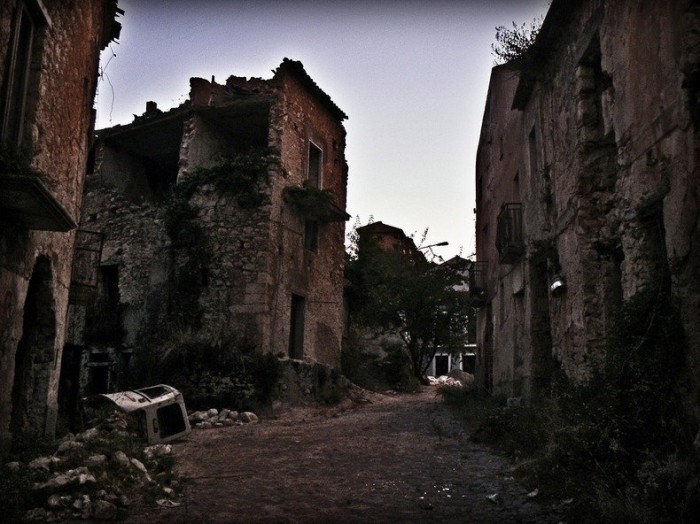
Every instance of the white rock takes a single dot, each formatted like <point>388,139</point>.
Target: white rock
<point>13,466</point>
<point>139,465</point>
<point>54,502</point>
<point>249,417</point>
<point>40,463</point>
<point>67,446</point>
<point>233,415</point>
<point>96,460</point>
<point>86,478</point>
<point>197,416</point>
<point>223,414</point>
<point>213,412</point>
<point>88,434</point>
<point>121,457</point>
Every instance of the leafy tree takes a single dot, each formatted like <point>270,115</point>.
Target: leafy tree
<point>410,297</point>
<point>513,44</point>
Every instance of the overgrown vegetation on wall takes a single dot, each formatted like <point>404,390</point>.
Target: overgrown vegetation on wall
<point>243,177</point>
<point>311,202</point>
<point>620,445</point>
<point>232,373</point>
<point>513,43</point>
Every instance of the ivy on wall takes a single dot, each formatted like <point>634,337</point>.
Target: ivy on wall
<point>313,203</point>
<point>244,177</point>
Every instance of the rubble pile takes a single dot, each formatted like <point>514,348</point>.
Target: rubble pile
<point>455,378</point>
<point>96,475</point>
<point>213,418</point>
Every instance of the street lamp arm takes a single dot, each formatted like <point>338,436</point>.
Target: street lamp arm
<point>445,243</point>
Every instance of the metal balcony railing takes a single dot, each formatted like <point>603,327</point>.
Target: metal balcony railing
<point>509,237</point>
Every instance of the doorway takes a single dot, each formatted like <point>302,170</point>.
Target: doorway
<point>34,356</point>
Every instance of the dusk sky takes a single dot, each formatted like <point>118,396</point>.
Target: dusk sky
<point>412,76</point>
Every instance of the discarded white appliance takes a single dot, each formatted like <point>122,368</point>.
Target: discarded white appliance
<point>160,409</point>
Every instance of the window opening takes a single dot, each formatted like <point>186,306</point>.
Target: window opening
<point>296,332</point>
<point>441,365</point>
<point>315,163</point>
<point>20,57</point>
<point>532,150</point>
<point>311,235</point>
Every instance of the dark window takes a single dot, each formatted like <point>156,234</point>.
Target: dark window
<point>17,81</point>
<point>110,286</point>
<point>441,365</point>
<point>311,235</point>
<point>532,150</point>
<point>296,331</point>
<point>315,163</point>
<point>509,236</point>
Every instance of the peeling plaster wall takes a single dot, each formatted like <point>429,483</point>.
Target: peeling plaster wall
<point>617,201</point>
<point>57,125</point>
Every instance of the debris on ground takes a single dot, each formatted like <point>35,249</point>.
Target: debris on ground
<point>94,475</point>
<point>213,418</point>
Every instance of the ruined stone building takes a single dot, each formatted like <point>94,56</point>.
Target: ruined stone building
<point>586,185</point>
<point>222,219</point>
<point>389,238</point>
<point>49,53</point>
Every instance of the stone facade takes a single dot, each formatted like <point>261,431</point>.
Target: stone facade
<point>263,268</point>
<point>49,53</point>
<point>587,184</point>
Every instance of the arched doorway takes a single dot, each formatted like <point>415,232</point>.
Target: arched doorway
<point>34,356</point>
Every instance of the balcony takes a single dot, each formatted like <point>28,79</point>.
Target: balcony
<point>509,237</point>
<point>26,199</point>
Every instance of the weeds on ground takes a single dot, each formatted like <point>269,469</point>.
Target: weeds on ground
<point>620,444</point>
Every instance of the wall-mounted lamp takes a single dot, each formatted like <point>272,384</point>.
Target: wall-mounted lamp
<point>557,283</point>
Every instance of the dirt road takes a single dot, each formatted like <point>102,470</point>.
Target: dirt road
<point>395,459</point>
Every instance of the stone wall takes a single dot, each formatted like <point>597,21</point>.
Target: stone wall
<point>609,148</point>
<point>35,266</point>
<point>236,277</point>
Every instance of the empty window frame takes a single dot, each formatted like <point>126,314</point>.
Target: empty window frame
<point>14,97</point>
<point>311,235</point>
<point>296,329</point>
<point>315,164</point>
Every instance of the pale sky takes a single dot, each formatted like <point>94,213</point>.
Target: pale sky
<point>412,76</point>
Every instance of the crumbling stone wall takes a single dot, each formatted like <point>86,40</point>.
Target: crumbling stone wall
<point>246,262</point>
<point>612,193</point>
<point>35,266</point>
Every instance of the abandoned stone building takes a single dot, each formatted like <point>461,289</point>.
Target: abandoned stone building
<point>389,238</point>
<point>222,219</point>
<point>49,54</point>
<point>586,180</point>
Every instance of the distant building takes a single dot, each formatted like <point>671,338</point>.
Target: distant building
<point>389,238</point>
<point>223,217</point>
<point>49,54</point>
<point>586,180</point>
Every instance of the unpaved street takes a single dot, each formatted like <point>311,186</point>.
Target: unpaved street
<point>397,458</point>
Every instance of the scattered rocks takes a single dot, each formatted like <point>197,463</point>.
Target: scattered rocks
<point>214,418</point>
<point>96,490</point>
